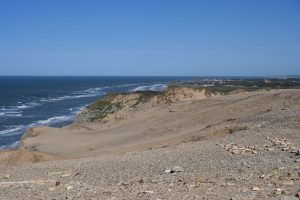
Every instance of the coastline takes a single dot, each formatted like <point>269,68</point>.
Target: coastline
<point>171,145</point>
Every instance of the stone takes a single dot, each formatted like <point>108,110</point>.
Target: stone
<point>149,191</point>
<point>298,152</point>
<point>269,149</point>
<point>69,187</point>
<point>279,191</point>
<point>65,175</point>
<point>6,176</point>
<point>51,189</point>
<point>167,171</point>
<point>235,152</point>
<point>255,188</point>
<point>235,148</point>
<point>287,183</point>
<point>57,183</point>
<point>254,152</point>
<point>177,169</point>
<point>230,184</point>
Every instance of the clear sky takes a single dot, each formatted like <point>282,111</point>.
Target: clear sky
<point>150,37</point>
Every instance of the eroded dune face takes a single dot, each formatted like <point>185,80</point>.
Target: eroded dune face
<point>113,106</point>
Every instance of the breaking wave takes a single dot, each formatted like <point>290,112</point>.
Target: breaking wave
<point>155,87</point>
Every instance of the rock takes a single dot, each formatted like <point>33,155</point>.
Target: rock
<point>235,152</point>
<point>234,147</point>
<point>65,175</point>
<point>69,187</point>
<point>272,174</point>
<point>167,171</point>
<point>255,189</point>
<point>54,173</point>
<point>298,152</point>
<point>149,192</point>
<point>287,183</point>
<point>279,191</point>
<point>254,152</point>
<point>288,198</point>
<point>57,183</point>
<point>51,189</point>
<point>6,176</point>
<point>230,184</point>
<point>177,169</point>
<point>269,149</point>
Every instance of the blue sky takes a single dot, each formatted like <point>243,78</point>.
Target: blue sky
<point>150,37</point>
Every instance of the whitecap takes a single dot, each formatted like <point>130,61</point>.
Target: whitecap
<point>52,120</point>
<point>155,87</point>
<point>11,146</point>
<point>10,131</point>
<point>11,114</point>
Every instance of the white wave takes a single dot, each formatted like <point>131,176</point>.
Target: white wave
<point>11,146</point>
<point>11,114</point>
<point>14,145</point>
<point>92,92</point>
<point>9,131</point>
<point>18,108</point>
<point>22,107</point>
<point>28,105</point>
<point>127,85</point>
<point>155,87</point>
<point>52,120</point>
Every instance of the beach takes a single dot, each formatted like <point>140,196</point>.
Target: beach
<point>184,145</point>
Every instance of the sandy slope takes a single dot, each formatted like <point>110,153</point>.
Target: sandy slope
<point>227,147</point>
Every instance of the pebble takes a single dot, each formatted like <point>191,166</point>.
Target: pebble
<point>279,191</point>
<point>69,187</point>
<point>149,191</point>
<point>54,173</point>
<point>177,169</point>
<point>65,175</point>
<point>57,183</point>
<point>255,189</point>
<point>174,169</point>
<point>230,184</point>
<point>287,183</point>
<point>6,176</point>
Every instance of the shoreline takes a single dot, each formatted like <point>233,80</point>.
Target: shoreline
<point>238,146</point>
<point>177,145</point>
<point>34,140</point>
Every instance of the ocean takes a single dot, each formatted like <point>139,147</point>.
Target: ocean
<point>54,101</point>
